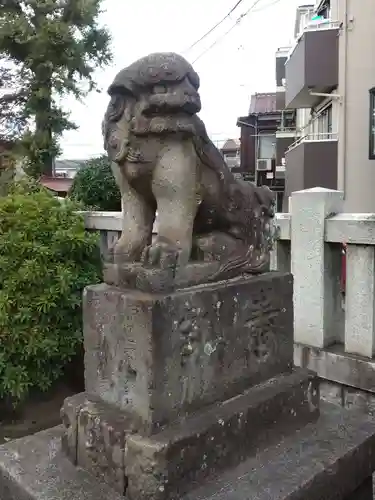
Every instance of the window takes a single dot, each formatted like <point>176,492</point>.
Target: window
<point>320,128</point>
<point>324,9</point>
<point>372,125</point>
<point>267,146</point>
<point>325,123</point>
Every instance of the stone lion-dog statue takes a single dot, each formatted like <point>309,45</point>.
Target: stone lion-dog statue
<point>165,163</point>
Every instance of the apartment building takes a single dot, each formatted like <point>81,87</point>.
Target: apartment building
<point>328,78</point>
<point>356,121</point>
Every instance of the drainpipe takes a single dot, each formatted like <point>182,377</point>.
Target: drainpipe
<point>342,140</point>
<point>256,144</point>
<point>343,92</point>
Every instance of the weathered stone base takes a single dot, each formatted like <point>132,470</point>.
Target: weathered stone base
<point>331,459</point>
<point>34,468</point>
<point>100,439</point>
<point>333,363</point>
<point>347,397</point>
<point>328,460</point>
<point>136,276</point>
<point>346,380</point>
<point>165,356</point>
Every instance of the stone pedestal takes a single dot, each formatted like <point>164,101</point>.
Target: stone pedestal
<point>162,357</point>
<point>168,374</point>
<point>192,395</point>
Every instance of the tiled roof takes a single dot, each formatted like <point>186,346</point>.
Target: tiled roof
<point>263,103</point>
<point>57,184</point>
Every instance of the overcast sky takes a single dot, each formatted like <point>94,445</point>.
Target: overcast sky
<point>241,63</point>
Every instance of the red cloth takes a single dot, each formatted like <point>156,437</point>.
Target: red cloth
<point>343,268</point>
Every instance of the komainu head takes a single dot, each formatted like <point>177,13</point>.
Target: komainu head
<point>157,94</point>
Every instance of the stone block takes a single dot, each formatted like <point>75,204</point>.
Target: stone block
<point>165,279</point>
<point>33,468</point>
<point>360,310</point>
<point>94,438</point>
<point>332,458</point>
<point>163,356</point>
<point>316,266</point>
<point>164,465</point>
<point>69,416</point>
<point>336,365</point>
<point>331,392</point>
<point>220,435</point>
<point>364,492</point>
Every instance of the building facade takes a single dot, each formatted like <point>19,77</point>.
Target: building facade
<point>67,168</point>
<point>356,118</point>
<point>231,152</point>
<point>328,78</point>
<point>261,154</point>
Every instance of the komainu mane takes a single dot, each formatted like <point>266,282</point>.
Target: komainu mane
<point>164,162</point>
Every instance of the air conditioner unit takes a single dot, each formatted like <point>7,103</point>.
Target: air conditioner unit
<point>280,172</point>
<point>264,165</point>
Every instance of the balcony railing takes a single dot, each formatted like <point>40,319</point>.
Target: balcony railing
<point>323,24</point>
<point>315,137</point>
<point>288,130</point>
<point>283,51</point>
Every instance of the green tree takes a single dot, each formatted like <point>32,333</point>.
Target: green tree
<point>46,259</point>
<point>95,187</point>
<point>55,45</point>
<point>12,98</point>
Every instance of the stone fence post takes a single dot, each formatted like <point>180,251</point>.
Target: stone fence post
<point>316,267</point>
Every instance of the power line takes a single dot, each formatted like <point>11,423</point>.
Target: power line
<point>264,7</point>
<point>238,21</point>
<point>214,27</point>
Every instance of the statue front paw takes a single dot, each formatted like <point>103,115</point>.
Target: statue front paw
<point>162,253</point>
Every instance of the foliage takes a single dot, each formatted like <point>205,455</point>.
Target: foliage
<point>46,259</point>
<point>12,98</point>
<point>95,187</point>
<point>6,178</point>
<point>55,47</point>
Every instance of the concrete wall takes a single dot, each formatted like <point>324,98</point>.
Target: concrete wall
<point>356,173</point>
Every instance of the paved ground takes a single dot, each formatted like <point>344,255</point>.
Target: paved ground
<point>37,416</point>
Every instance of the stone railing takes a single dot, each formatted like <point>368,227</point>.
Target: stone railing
<point>334,335</point>
<point>109,225</point>
<point>334,332</point>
